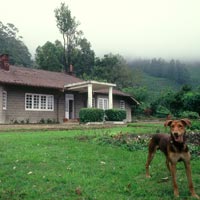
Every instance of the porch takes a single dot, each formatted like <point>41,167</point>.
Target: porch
<point>87,87</point>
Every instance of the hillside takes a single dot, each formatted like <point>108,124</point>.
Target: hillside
<point>159,75</point>
<point>156,85</point>
<point>194,71</point>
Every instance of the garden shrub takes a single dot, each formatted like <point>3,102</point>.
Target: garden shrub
<point>189,114</point>
<point>115,115</point>
<point>48,121</point>
<point>162,112</point>
<point>195,125</point>
<point>91,115</point>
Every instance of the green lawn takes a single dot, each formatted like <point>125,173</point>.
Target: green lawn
<point>60,165</point>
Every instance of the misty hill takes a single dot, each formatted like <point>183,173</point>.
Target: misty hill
<point>194,70</point>
<point>155,85</point>
<point>158,75</point>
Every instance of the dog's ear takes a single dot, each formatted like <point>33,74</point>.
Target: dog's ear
<point>168,123</point>
<point>186,122</point>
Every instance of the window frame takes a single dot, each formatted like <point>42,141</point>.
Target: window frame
<point>39,102</point>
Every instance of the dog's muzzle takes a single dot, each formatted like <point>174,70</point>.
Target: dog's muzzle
<point>178,137</point>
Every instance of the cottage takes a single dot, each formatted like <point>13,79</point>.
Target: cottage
<point>30,95</point>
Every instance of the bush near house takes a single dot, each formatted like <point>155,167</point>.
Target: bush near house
<point>115,115</point>
<point>98,115</point>
<point>91,115</point>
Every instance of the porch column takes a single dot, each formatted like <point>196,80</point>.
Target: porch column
<point>89,96</point>
<point>110,98</point>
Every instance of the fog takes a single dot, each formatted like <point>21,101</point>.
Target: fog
<point>131,28</point>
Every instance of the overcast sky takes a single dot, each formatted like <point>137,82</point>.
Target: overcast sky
<point>131,28</point>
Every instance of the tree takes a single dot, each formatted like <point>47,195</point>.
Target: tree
<point>172,70</point>
<point>12,44</point>
<point>68,27</point>
<point>164,101</point>
<point>49,56</point>
<point>113,69</point>
<point>191,101</point>
<point>83,58</point>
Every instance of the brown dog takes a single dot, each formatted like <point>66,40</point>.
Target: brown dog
<point>175,150</point>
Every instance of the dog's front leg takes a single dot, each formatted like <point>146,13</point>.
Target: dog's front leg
<point>173,173</point>
<point>189,177</point>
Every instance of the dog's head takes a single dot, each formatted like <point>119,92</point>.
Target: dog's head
<point>177,129</point>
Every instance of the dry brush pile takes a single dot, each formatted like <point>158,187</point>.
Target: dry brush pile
<point>134,142</point>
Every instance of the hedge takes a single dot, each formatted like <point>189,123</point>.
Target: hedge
<point>115,115</point>
<point>91,115</point>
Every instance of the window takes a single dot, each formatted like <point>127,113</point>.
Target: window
<point>36,101</point>
<point>43,102</point>
<point>50,102</point>
<point>39,102</point>
<point>122,104</point>
<point>28,101</point>
<point>4,100</point>
<point>103,103</point>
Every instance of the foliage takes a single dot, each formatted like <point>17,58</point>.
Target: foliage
<point>48,121</point>
<point>191,101</point>
<point>68,27</point>
<point>194,70</point>
<point>162,112</point>
<point>83,58</point>
<point>176,103</point>
<point>114,69</point>
<point>97,115</point>
<point>128,141</point>
<point>195,125</point>
<point>115,115</point>
<point>138,92</point>
<point>172,70</point>
<point>11,43</point>
<point>50,56</point>
<point>184,102</point>
<point>189,114</point>
<point>91,115</point>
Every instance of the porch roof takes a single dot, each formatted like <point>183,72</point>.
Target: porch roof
<point>83,86</point>
<point>98,87</point>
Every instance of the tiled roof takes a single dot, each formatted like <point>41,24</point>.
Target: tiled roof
<point>41,78</point>
<point>36,78</point>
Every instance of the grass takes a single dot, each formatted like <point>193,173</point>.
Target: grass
<point>73,165</point>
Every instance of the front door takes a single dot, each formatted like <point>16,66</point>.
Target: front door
<point>69,106</point>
